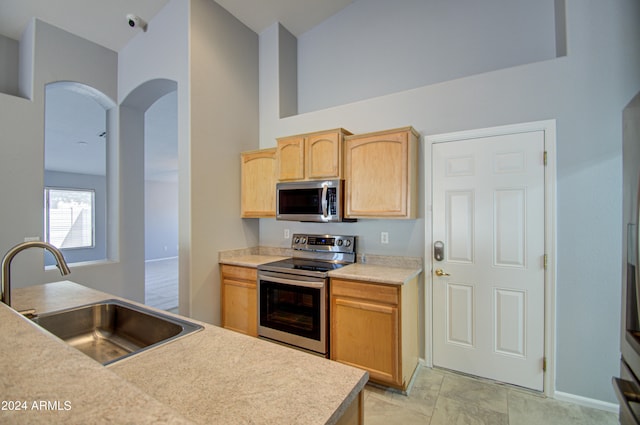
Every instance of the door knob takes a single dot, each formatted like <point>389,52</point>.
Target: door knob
<point>440,272</point>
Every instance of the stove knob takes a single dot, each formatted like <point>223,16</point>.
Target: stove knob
<point>339,242</point>
<point>303,240</point>
<point>347,243</point>
<point>296,240</point>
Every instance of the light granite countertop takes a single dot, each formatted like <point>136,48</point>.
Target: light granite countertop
<point>212,376</point>
<point>38,367</point>
<point>250,260</point>
<point>380,269</point>
<point>253,257</point>
<point>376,273</point>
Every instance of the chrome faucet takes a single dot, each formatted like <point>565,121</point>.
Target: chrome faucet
<point>6,264</point>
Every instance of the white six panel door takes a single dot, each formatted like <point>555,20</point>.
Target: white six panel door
<point>488,209</point>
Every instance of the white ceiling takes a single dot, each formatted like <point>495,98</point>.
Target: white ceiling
<point>74,125</point>
<point>74,130</point>
<point>104,21</point>
<point>75,133</point>
<point>298,16</point>
<point>101,21</point>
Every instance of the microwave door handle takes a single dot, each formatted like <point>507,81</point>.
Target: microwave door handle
<point>325,203</point>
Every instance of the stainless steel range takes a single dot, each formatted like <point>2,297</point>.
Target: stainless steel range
<point>293,294</point>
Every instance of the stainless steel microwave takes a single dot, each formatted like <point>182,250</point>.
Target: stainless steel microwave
<point>318,201</point>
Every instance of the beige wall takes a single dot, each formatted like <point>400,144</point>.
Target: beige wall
<point>584,91</point>
<point>224,122</point>
<point>49,54</point>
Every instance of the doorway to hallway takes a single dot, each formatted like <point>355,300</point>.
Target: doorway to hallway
<point>161,284</point>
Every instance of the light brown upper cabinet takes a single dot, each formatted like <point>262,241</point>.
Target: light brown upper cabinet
<point>311,156</point>
<point>381,174</point>
<point>258,190</point>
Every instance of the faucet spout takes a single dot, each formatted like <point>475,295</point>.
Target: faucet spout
<point>8,257</point>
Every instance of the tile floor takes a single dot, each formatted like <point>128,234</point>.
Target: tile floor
<point>445,398</point>
<point>161,284</point>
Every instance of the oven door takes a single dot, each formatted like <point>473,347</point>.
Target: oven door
<point>293,309</point>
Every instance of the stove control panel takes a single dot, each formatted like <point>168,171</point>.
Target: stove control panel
<point>324,243</point>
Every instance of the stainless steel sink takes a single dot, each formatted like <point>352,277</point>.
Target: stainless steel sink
<point>111,330</point>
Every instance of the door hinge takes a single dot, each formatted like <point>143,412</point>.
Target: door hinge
<point>545,261</point>
<point>544,158</point>
<point>544,364</point>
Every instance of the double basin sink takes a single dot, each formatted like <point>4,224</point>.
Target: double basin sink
<point>112,330</point>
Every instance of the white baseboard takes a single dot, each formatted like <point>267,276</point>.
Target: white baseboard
<point>160,259</point>
<point>587,402</point>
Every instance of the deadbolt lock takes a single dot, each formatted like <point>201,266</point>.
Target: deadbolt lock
<point>438,250</point>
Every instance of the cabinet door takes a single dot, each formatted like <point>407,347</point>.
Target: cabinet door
<point>239,299</point>
<point>324,156</point>
<point>365,335</point>
<point>291,158</point>
<point>258,186</point>
<point>380,174</point>
<point>240,306</point>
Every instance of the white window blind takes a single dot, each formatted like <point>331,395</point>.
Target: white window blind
<point>69,217</point>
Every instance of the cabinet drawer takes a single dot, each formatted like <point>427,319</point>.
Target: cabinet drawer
<point>238,272</point>
<point>230,281</point>
<point>367,291</point>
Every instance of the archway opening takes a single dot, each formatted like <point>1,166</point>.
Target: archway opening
<point>149,142</point>
<point>75,171</point>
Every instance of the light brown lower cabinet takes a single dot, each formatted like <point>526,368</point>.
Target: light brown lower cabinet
<point>374,326</point>
<point>354,415</point>
<point>239,299</point>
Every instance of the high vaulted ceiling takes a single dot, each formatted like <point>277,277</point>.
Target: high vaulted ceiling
<point>104,21</point>
<point>75,132</point>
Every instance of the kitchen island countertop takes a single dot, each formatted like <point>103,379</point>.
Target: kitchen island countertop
<point>211,376</point>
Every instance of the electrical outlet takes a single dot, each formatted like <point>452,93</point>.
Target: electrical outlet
<point>286,233</point>
<point>384,237</point>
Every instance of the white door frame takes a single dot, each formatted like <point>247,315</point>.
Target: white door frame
<point>549,128</point>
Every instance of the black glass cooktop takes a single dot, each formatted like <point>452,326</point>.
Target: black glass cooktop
<point>291,265</point>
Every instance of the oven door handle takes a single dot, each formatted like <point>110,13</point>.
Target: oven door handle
<point>284,281</point>
<point>626,392</point>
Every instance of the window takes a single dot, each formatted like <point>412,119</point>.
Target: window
<point>69,217</point>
